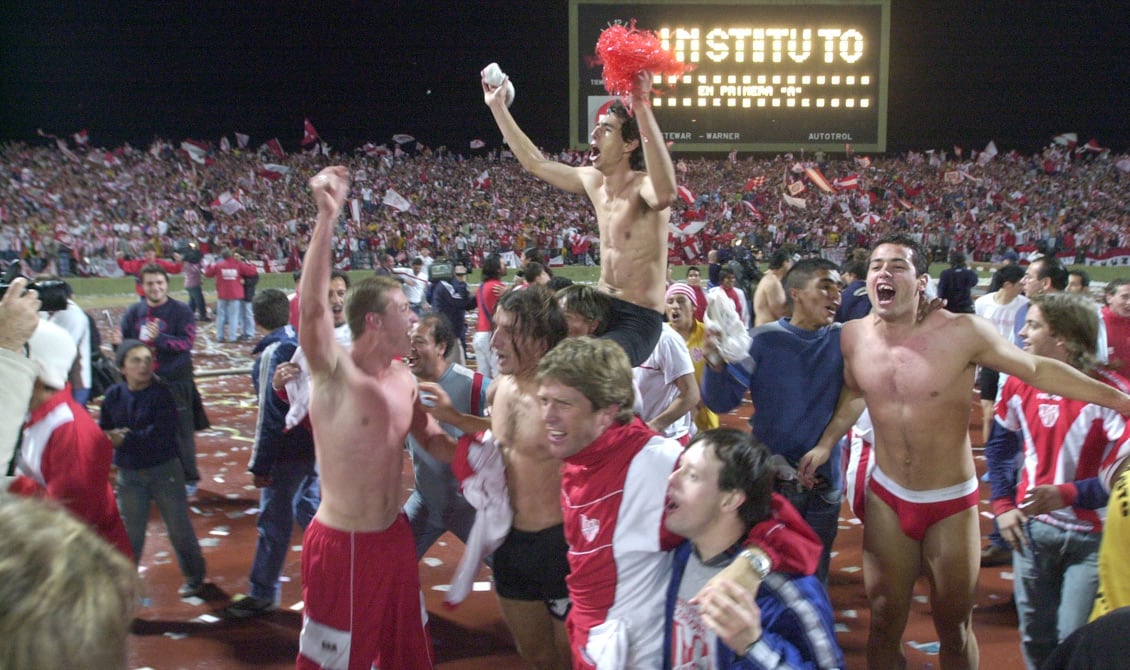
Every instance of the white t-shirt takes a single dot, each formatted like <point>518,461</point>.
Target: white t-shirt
<point>1002,316</point>
<point>655,380</point>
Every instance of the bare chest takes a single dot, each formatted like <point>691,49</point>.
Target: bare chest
<point>916,371</point>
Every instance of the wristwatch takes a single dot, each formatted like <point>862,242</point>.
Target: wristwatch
<point>758,560</point>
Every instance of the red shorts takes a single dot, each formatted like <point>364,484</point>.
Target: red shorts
<point>363,606</point>
<point>918,510</point>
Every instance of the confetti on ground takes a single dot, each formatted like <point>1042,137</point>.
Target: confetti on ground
<point>298,606</point>
<point>851,569</point>
<point>207,618</point>
<point>1007,575</point>
<point>841,628</point>
<point>988,515</point>
<point>209,542</point>
<point>195,601</point>
<point>220,530</point>
<point>921,599</point>
<point>443,588</point>
<point>849,614</point>
<point>432,562</point>
<point>481,586</point>
<point>925,647</point>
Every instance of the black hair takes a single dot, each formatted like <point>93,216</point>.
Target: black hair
<point>629,130</point>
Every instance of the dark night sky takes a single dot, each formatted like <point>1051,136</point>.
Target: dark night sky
<point>961,71</point>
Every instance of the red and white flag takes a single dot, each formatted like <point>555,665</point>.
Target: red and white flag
<point>1092,146</point>
<point>309,135</point>
<point>241,140</point>
<point>396,201</point>
<point>819,179</point>
<point>799,203</point>
<point>863,161</point>
<point>275,147</point>
<point>685,194</point>
<point>1068,140</point>
<point>81,137</point>
<point>355,209</point>
<point>988,154</point>
<point>374,151</point>
<point>482,182</point>
<point>1123,164</point>
<point>752,209</point>
<point>225,145</point>
<point>272,171</point>
<point>848,183</point>
<point>754,182</point>
<point>196,150</point>
<point>478,144</point>
<point>797,187</point>
<point>686,228</point>
<point>227,203</point>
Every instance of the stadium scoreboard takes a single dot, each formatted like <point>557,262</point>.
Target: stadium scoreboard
<point>766,75</point>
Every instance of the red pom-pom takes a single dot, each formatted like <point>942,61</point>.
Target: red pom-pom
<point>626,51</point>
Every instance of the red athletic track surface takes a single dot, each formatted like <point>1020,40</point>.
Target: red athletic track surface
<point>171,634</point>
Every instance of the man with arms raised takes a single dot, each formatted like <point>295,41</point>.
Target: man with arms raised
<point>530,566</point>
<point>631,184</point>
<point>360,581</point>
<point>915,377</point>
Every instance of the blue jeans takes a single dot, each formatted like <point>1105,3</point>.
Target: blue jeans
<point>228,313</point>
<point>1055,582</point>
<point>196,302</point>
<point>248,320</point>
<point>162,484</point>
<point>436,506</point>
<point>820,507</point>
<point>293,494</point>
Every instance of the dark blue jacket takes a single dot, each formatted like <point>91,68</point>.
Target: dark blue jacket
<point>151,416</point>
<point>272,441</point>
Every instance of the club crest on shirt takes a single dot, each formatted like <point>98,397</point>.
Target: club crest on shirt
<point>1049,414</point>
<point>589,527</point>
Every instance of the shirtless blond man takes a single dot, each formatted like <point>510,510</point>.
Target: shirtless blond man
<point>769,299</point>
<point>360,581</point>
<point>915,376</point>
<point>631,183</point>
<point>531,565</point>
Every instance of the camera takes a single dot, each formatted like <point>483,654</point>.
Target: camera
<point>53,293</point>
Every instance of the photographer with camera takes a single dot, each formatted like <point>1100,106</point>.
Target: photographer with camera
<point>74,320</point>
<point>19,317</point>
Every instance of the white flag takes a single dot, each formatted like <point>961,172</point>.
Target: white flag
<point>396,201</point>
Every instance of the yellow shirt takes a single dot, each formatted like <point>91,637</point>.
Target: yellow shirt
<point>704,419</point>
<point>1114,569</point>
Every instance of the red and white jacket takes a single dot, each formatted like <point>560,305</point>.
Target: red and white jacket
<point>65,456</point>
<point>614,498</point>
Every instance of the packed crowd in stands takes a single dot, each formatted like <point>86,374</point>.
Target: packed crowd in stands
<point>74,211</point>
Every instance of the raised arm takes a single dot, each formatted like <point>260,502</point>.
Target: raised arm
<point>1046,374</point>
<point>316,328</point>
<point>659,189</point>
<point>564,177</point>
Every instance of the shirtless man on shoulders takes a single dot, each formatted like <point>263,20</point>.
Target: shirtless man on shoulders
<point>531,565</point>
<point>360,581</point>
<point>631,183</point>
<point>915,377</point>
